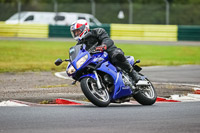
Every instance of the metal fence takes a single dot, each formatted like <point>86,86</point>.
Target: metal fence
<point>125,13</point>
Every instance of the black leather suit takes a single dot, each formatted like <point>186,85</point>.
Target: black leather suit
<point>116,55</point>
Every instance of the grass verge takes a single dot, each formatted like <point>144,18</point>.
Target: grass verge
<point>20,56</point>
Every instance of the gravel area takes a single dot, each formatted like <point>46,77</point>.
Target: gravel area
<point>39,86</point>
<point>36,86</point>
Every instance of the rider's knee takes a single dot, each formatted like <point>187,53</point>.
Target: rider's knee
<point>118,55</point>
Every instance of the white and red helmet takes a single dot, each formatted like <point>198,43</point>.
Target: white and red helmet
<point>79,29</point>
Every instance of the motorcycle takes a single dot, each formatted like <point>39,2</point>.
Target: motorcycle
<point>103,83</point>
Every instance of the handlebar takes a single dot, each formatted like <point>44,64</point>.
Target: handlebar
<point>92,48</point>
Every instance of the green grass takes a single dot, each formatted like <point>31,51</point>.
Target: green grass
<point>20,56</point>
<point>151,55</point>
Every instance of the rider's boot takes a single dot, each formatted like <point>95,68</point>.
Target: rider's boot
<point>134,75</point>
<point>131,72</point>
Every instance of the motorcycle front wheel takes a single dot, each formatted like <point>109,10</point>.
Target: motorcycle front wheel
<point>99,97</point>
<point>146,95</point>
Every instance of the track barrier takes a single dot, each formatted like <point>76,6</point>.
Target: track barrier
<point>138,32</point>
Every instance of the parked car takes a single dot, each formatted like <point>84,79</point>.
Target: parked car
<point>60,18</point>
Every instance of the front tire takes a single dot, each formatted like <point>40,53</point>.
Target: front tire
<point>99,97</point>
<point>146,95</point>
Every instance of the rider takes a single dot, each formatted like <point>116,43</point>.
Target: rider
<point>80,32</point>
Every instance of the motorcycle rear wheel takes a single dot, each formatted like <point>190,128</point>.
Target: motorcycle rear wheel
<point>146,95</point>
<point>99,97</point>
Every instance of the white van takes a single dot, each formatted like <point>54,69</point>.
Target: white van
<point>60,18</point>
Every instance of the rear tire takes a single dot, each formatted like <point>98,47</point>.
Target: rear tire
<point>99,97</point>
<point>146,95</point>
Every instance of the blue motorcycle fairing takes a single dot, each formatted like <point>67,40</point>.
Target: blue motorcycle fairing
<point>92,75</point>
<point>99,57</point>
<point>120,89</point>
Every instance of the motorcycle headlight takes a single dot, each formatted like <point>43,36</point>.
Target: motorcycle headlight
<point>81,61</point>
<point>71,70</point>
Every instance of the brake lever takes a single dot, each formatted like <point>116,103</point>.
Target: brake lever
<point>95,51</point>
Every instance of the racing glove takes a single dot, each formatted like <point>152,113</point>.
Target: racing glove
<point>101,48</point>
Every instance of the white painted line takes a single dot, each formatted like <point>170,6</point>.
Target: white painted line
<point>61,75</point>
<point>186,98</point>
<point>11,103</point>
<point>197,96</point>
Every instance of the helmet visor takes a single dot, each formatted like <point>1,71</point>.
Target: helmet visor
<point>77,31</point>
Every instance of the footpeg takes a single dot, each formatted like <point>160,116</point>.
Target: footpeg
<point>142,82</point>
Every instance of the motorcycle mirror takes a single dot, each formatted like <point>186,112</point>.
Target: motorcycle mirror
<point>137,61</point>
<point>58,62</point>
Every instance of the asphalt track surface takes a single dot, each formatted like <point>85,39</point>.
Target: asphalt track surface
<point>159,118</point>
<point>185,74</point>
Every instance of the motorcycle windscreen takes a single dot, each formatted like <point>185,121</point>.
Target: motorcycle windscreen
<point>73,52</point>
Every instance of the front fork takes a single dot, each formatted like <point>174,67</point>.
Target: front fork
<point>98,81</point>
